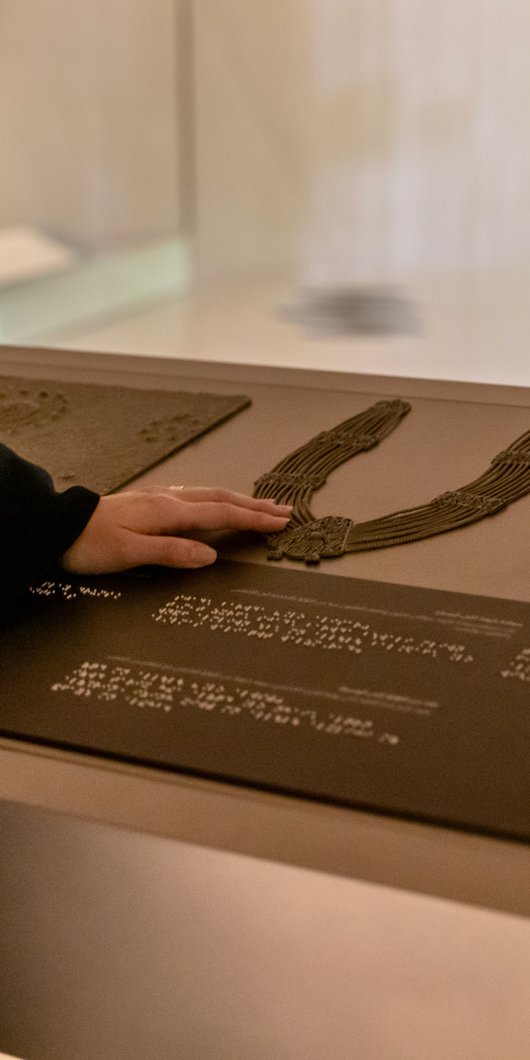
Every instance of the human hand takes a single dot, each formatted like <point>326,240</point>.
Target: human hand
<point>144,526</point>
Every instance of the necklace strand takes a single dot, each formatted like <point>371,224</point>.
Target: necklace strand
<point>295,478</point>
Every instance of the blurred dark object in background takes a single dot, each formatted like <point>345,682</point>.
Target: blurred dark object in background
<point>352,311</point>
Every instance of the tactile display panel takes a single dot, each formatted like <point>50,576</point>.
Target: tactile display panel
<point>103,436</point>
<point>407,701</point>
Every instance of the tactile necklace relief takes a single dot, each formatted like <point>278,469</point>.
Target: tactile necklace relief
<point>295,478</point>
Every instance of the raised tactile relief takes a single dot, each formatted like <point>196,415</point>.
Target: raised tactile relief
<point>103,436</point>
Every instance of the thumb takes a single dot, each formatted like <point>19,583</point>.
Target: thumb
<point>167,551</point>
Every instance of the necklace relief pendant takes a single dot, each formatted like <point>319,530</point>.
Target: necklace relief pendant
<point>319,539</point>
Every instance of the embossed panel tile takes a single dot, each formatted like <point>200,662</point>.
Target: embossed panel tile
<point>103,436</point>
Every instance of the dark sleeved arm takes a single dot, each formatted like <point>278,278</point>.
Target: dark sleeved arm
<point>37,524</point>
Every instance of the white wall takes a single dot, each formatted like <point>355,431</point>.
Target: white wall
<point>363,138</point>
<point>421,139</point>
<point>88,118</point>
<point>250,69</point>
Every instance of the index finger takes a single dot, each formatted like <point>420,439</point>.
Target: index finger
<point>217,495</point>
<point>223,515</point>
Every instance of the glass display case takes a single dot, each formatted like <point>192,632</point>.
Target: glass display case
<point>241,177</point>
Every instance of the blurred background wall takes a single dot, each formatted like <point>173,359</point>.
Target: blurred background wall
<point>362,138</point>
<point>252,122</point>
<point>352,137</point>
<point>325,143</point>
<point>420,142</point>
<point>88,119</point>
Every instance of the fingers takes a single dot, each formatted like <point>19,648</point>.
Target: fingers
<point>216,495</point>
<point>231,517</point>
<point>165,513</point>
<point>218,515</point>
<point>203,494</point>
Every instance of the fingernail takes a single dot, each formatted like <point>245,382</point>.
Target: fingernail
<point>202,555</point>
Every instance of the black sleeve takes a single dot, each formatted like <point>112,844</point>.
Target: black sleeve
<point>37,524</point>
